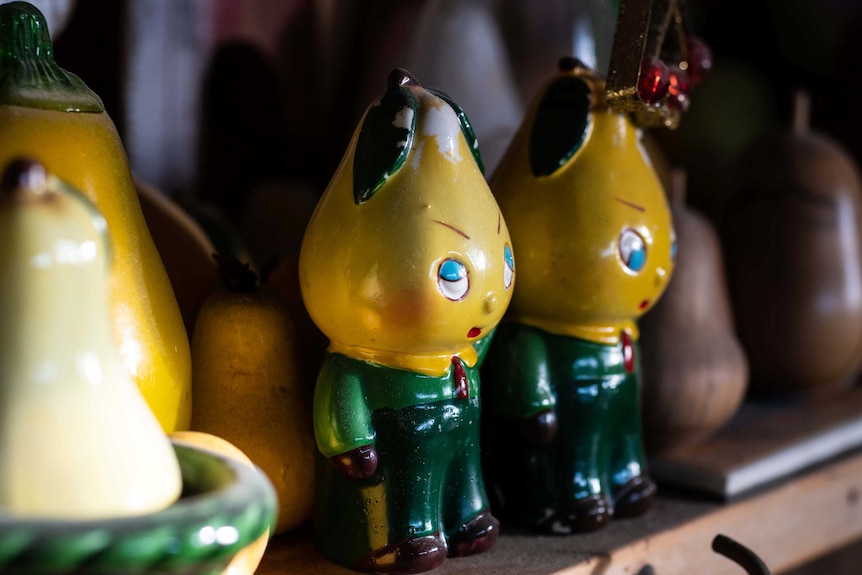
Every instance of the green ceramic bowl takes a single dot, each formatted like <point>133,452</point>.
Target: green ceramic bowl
<point>225,505</point>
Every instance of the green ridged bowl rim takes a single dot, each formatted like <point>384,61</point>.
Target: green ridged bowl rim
<point>225,505</point>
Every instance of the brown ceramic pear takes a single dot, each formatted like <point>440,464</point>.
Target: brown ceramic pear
<point>695,373</point>
<point>792,243</point>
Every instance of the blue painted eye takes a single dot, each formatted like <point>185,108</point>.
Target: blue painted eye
<point>508,267</point>
<point>672,246</point>
<point>452,280</point>
<point>632,250</point>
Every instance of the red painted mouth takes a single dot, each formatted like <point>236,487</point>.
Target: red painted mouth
<point>474,332</point>
<point>644,304</point>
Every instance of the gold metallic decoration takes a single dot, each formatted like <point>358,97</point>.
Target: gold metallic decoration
<point>648,28</point>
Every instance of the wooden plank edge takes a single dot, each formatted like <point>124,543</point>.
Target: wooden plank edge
<point>786,526</point>
<point>784,462</point>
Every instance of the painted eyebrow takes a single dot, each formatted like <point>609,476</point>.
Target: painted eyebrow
<point>499,220</point>
<point>630,204</point>
<point>453,228</point>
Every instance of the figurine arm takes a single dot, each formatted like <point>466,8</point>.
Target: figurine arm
<point>342,422</point>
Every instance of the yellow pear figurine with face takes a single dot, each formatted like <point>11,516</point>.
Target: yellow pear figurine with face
<point>593,233</point>
<point>77,440</point>
<point>407,268</point>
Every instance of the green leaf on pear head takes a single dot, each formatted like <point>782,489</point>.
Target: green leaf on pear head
<point>385,137</point>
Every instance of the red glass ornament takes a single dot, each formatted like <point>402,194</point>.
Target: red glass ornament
<point>699,60</point>
<point>678,88</point>
<point>654,80</point>
<point>679,81</point>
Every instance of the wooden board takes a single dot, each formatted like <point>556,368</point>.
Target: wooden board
<point>765,442</point>
<point>786,525</point>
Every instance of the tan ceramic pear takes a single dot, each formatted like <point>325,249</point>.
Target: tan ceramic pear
<point>793,237</point>
<point>695,373</point>
<point>77,439</point>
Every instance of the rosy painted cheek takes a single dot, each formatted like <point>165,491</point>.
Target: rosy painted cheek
<point>474,332</point>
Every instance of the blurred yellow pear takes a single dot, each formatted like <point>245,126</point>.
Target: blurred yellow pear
<point>247,387</point>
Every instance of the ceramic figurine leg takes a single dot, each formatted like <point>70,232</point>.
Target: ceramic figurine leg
<point>633,491</point>
<point>580,454</point>
<point>596,456</point>
<point>559,487</point>
<point>368,525</point>
<point>470,526</point>
<point>413,445</point>
<point>522,482</point>
<point>391,523</point>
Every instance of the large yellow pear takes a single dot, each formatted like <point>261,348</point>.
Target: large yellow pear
<point>48,114</point>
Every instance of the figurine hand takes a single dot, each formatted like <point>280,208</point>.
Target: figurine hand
<point>540,428</point>
<point>359,463</point>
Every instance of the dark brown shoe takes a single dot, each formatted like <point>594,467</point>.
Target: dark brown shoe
<point>635,497</point>
<point>414,555</point>
<point>476,536</point>
<point>582,516</point>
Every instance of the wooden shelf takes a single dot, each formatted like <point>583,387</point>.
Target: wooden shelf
<point>786,525</point>
<point>765,441</point>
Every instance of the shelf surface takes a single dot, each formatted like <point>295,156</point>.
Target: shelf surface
<point>765,441</point>
<point>786,525</point>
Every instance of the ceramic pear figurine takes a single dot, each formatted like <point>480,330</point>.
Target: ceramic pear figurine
<point>77,440</point>
<point>792,236</point>
<point>48,113</point>
<point>407,267</point>
<point>593,231</point>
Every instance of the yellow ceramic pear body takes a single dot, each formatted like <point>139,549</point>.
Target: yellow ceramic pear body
<point>80,144</point>
<point>369,272</point>
<point>77,439</point>
<point>595,244</point>
<point>406,266</point>
<point>573,279</point>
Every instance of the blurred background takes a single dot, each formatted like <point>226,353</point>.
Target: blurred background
<point>235,103</point>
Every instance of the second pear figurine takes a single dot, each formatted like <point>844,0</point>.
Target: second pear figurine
<point>406,266</point>
<point>590,221</point>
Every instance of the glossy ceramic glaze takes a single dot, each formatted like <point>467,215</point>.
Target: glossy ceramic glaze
<point>594,239</point>
<point>48,114</point>
<point>407,268</point>
<point>68,407</point>
<point>226,505</point>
